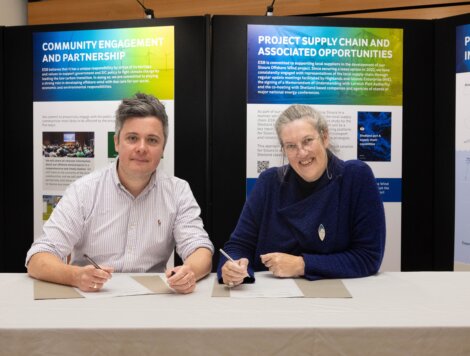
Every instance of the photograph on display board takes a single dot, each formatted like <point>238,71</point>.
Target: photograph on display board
<point>374,136</point>
<point>49,204</point>
<point>68,144</point>
<point>111,148</point>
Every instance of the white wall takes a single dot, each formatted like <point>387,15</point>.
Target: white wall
<point>13,12</point>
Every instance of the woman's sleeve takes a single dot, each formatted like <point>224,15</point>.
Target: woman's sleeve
<point>244,238</point>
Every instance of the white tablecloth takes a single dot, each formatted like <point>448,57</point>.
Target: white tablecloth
<point>393,313</point>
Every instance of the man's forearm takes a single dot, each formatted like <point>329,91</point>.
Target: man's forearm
<point>200,262</point>
<point>48,267</point>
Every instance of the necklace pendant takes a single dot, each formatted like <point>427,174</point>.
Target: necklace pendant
<point>321,232</point>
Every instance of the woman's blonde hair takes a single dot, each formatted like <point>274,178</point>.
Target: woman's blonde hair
<point>297,112</point>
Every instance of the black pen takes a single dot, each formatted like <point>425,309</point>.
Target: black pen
<point>91,261</point>
<point>171,274</point>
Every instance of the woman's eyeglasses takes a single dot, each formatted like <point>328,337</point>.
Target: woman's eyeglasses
<point>294,148</point>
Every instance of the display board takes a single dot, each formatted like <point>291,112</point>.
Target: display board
<point>353,76</point>
<point>81,72</point>
<point>79,79</point>
<point>352,70</point>
<point>462,149</point>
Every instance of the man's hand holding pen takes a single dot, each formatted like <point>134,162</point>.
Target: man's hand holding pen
<point>181,279</point>
<point>91,278</point>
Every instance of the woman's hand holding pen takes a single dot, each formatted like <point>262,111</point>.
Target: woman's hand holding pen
<point>234,272</point>
<point>181,279</point>
<point>92,279</point>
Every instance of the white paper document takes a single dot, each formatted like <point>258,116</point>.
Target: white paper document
<point>267,286</point>
<point>118,286</point>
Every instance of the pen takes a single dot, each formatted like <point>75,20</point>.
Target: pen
<point>91,261</point>
<point>226,255</point>
<point>171,274</point>
<point>230,258</point>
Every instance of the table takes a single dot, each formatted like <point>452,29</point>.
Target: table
<point>392,313</point>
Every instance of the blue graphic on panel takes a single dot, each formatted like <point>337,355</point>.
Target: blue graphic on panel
<point>462,49</point>
<point>374,131</point>
<point>277,65</point>
<point>389,188</point>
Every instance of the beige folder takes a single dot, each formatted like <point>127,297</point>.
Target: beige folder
<point>325,288</point>
<point>48,290</point>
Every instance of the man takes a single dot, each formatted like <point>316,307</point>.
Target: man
<point>128,217</point>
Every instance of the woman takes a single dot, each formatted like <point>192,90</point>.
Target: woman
<point>318,217</point>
